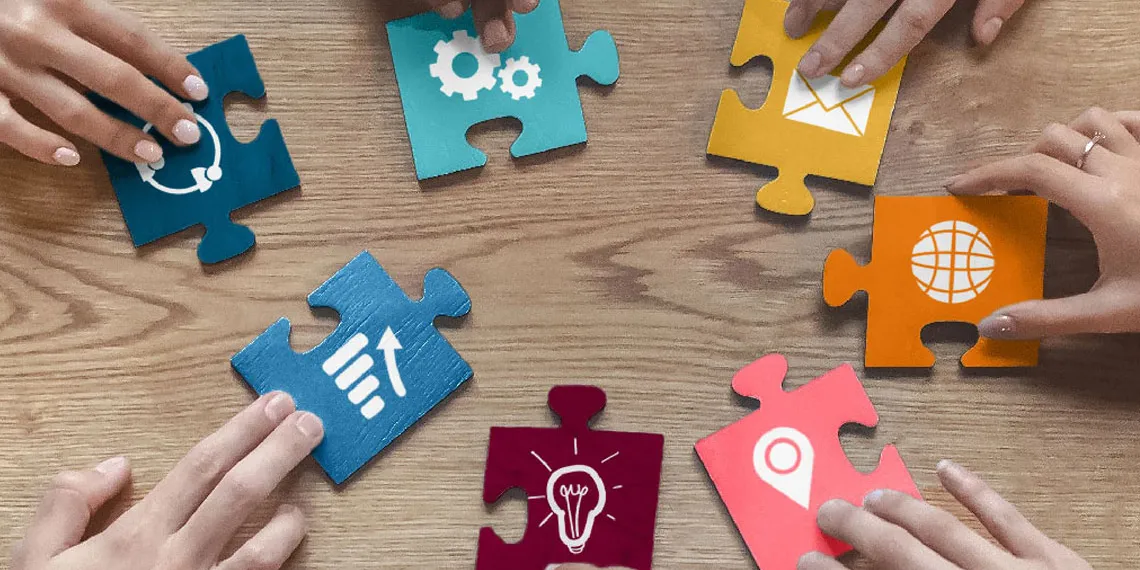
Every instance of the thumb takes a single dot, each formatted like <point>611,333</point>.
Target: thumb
<point>990,16</point>
<point>1098,311</point>
<point>66,509</point>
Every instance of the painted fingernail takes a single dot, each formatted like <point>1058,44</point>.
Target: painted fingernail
<point>495,35</point>
<point>279,406</point>
<point>196,88</point>
<point>310,426</point>
<point>148,151</point>
<point>813,560</point>
<point>111,465</point>
<point>525,5</point>
<point>451,10</point>
<point>65,156</point>
<point>794,21</point>
<point>873,497</point>
<point>186,132</point>
<point>990,31</point>
<point>999,327</point>
<point>809,65</point>
<point>853,75</point>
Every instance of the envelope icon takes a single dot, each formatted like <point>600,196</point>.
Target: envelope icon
<point>826,103</point>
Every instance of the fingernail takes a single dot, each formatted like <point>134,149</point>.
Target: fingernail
<point>853,75</point>
<point>279,406</point>
<point>196,88</point>
<point>809,65</point>
<point>451,10</point>
<point>873,497</point>
<point>111,465</point>
<point>310,426</point>
<point>998,327</point>
<point>495,35</point>
<point>833,506</point>
<point>186,132</point>
<point>794,21</point>
<point>148,151</point>
<point>813,560</point>
<point>65,156</point>
<point>951,183</point>
<point>990,31</point>
<point>525,5</point>
<point>945,465</point>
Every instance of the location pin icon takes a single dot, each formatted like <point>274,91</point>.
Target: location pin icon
<point>783,458</point>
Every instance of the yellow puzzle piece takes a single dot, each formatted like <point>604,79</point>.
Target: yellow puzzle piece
<point>806,126</point>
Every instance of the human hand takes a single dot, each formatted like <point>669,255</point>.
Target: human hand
<point>49,46</point>
<point>494,19</point>
<point>1104,196</point>
<point>186,521</point>
<point>898,532</point>
<point>906,27</point>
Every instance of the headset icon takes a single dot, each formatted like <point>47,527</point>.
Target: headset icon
<point>204,177</point>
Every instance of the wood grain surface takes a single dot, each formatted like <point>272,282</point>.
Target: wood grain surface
<point>634,263</point>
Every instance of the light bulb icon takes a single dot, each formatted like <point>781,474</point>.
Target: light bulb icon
<point>576,495</point>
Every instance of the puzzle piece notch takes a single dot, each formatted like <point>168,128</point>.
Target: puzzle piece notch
<point>382,369</point>
<point>232,174</point>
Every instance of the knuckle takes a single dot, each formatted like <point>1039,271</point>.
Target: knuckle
<point>244,489</point>
<point>125,137</point>
<point>1054,131</point>
<point>257,557</point>
<point>136,40</point>
<point>67,481</point>
<point>205,463</point>
<point>916,23</point>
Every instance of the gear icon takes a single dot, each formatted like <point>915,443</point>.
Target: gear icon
<point>444,70</point>
<point>533,81</point>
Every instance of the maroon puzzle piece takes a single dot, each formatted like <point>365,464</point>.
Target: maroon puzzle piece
<point>591,495</point>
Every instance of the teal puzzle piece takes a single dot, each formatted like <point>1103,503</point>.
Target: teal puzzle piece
<point>448,83</point>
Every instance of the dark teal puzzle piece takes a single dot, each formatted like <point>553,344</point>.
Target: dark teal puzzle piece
<point>202,184</point>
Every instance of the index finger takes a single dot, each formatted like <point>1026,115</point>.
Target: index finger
<point>848,28</point>
<point>913,20</point>
<point>1045,176</point>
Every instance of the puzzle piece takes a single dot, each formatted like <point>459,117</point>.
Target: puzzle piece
<point>448,83</point>
<point>944,259</point>
<point>777,466</point>
<point>805,126</point>
<point>364,404</point>
<point>202,184</point>
<point>591,495</point>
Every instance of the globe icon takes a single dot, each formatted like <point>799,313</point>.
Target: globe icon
<point>953,262</point>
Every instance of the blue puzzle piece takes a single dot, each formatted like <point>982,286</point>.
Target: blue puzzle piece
<point>448,83</point>
<point>203,183</point>
<point>380,371</point>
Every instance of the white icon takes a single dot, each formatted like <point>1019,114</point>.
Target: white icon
<point>204,177</point>
<point>484,77</point>
<point>783,458</point>
<point>347,374</point>
<point>826,103</point>
<point>953,262</point>
<point>577,496</point>
<point>511,69</point>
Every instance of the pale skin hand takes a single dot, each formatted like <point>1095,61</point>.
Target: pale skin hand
<point>910,23</point>
<point>1104,196</point>
<point>52,51</point>
<point>186,521</point>
<point>494,19</point>
<point>898,532</point>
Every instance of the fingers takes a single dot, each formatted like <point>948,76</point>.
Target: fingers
<point>909,24</point>
<point>1117,137</point>
<point>182,491</point>
<point>1000,518</point>
<point>1103,310</point>
<point>1131,121</point>
<point>990,16</point>
<point>129,39</point>
<point>937,529</point>
<point>32,141</point>
<point>452,9</point>
<point>118,81</point>
<point>1045,176</point>
<point>818,561</point>
<point>67,507</point>
<point>886,545</point>
<point>801,14</point>
<point>249,483</point>
<point>495,23</point>
<point>1068,146</point>
<point>272,545</point>
<point>849,27</point>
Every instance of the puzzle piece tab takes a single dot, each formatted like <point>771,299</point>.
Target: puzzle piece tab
<point>777,466</point>
<point>806,126</point>
<point>448,83</point>
<point>202,184</point>
<point>380,371</point>
<point>591,495</point>
<point>944,259</point>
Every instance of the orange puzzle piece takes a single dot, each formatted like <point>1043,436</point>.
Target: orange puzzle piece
<point>814,126</point>
<point>944,259</point>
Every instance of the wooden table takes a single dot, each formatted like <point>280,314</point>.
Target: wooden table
<point>633,263</point>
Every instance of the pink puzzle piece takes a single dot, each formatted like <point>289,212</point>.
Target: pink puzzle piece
<point>774,468</point>
<point>591,495</point>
